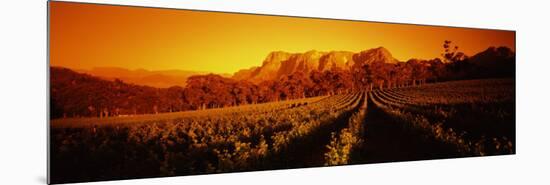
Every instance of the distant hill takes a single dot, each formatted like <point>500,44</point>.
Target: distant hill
<point>280,63</point>
<point>495,62</point>
<point>76,94</point>
<point>160,79</point>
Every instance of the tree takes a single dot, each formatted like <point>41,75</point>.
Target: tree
<point>451,53</point>
<point>340,81</point>
<point>419,71</point>
<point>268,91</point>
<point>209,91</point>
<point>379,73</point>
<point>244,92</point>
<point>362,76</point>
<point>294,85</point>
<point>330,82</point>
<point>404,74</point>
<point>319,85</point>
<point>437,70</point>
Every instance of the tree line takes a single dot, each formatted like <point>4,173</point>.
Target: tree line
<point>81,95</point>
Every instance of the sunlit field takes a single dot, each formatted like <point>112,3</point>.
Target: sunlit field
<point>438,120</point>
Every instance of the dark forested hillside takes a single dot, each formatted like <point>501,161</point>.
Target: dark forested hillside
<point>81,95</point>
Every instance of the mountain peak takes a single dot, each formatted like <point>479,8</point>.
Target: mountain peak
<point>379,54</point>
<point>281,63</point>
<point>382,50</point>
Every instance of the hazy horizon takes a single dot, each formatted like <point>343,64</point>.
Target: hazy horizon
<point>221,73</point>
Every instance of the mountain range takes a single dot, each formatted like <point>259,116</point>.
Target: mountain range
<point>280,63</point>
<point>160,78</point>
<point>275,65</point>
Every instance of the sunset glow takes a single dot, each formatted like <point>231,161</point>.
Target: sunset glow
<point>138,92</point>
<point>84,36</point>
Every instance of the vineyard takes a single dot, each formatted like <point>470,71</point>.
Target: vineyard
<point>431,121</point>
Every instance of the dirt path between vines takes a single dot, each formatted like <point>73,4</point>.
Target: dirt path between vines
<point>387,140</point>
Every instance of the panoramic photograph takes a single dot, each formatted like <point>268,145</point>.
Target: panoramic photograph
<point>138,92</point>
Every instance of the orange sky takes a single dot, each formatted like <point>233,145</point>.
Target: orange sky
<point>84,36</point>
